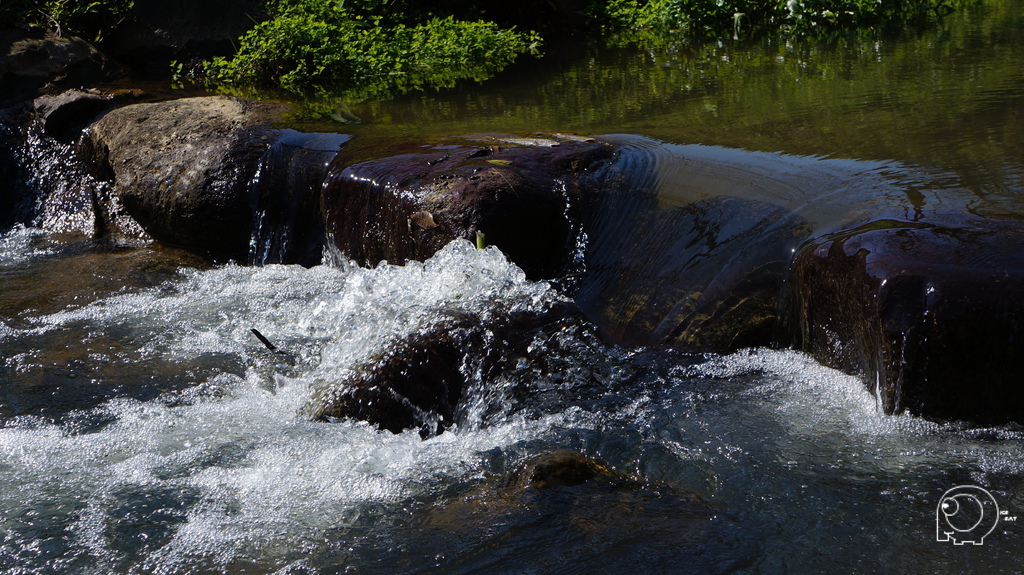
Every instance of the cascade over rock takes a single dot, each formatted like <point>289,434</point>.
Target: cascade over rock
<point>664,250</point>
<point>521,194</point>
<point>708,263</point>
<point>930,315</point>
<point>421,381</point>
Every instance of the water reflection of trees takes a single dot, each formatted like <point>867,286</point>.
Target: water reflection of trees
<point>948,96</point>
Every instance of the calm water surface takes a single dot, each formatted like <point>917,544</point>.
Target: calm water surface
<point>144,430</point>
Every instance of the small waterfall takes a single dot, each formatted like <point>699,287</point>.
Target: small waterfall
<point>48,184</point>
<point>285,197</point>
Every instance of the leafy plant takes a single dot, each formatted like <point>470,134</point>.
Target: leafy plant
<point>372,48</point>
<point>327,46</point>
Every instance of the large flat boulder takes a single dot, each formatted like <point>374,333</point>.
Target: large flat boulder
<point>183,168</point>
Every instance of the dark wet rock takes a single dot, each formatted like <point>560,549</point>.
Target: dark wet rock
<point>930,315</point>
<point>423,381</point>
<point>520,193</point>
<point>418,383</point>
<point>30,60</point>
<point>703,276</point>
<point>66,114</point>
<point>581,495</point>
<point>185,30</point>
<point>182,168</point>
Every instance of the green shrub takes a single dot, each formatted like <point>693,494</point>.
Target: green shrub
<point>317,44</point>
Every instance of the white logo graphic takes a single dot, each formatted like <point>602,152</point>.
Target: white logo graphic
<point>966,514</point>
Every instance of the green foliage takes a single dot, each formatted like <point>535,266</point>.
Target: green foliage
<point>713,18</point>
<point>90,19</point>
<point>364,49</point>
<point>321,45</point>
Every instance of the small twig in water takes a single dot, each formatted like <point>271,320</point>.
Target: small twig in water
<point>263,340</point>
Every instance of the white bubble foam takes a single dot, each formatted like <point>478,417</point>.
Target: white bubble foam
<point>260,470</point>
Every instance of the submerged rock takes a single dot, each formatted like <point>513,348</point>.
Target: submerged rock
<point>182,168</point>
<point>580,495</point>
<point>704,276</point>
<point>521,196</point>
<point>930,315</point>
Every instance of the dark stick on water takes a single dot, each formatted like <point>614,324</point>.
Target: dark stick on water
<point>263,339</point>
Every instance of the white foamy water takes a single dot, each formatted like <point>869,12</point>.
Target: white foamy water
<point>228,475</point>
<point>350,309</point>
<point>231,465</point>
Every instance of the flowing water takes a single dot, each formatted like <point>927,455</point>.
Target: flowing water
<point>143,429</point>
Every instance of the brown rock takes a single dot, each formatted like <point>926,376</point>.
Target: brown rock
<point>420,381</point>
<point>182,168</point>
<point>31,60</point>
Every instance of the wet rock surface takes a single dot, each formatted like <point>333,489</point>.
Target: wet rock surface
<point>66,114</point>
<point>522,194</point>
<point>425,380</point>
<point>182,168</point>
<point>930,315</point>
